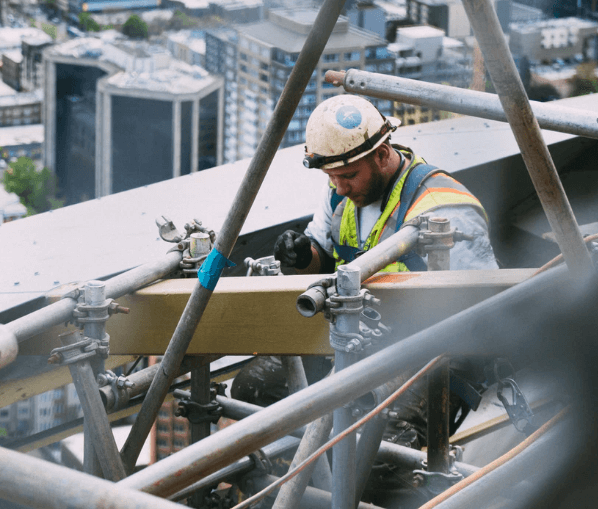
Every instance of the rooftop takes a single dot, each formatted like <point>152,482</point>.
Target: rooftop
<point>14,55</point>
<point>179,78</point>
<point>22,98</point>
<point>12,37</point>
<point>21,135</point>
<point>274,35</point>
<point>420,32</point>
<point>534,26</point>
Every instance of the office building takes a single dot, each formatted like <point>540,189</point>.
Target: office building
<point>256,60</point>
<point>11,68</point>
<point>124,114</point>
<point>20,109</point>
<point>425,53</point>
<point>549,40</point>
<point>32,72</point>
<point>188,46</point>
<point>450,15</point>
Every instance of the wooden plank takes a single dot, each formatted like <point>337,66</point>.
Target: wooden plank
<point>257,315</point>
<point>15,390</point>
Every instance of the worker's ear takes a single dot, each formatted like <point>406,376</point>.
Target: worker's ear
<point>383,154</point>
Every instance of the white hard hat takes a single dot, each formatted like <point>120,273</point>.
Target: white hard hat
<point>343,129</point>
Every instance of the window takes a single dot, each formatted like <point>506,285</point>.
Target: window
<point>243,57</point>
<point>264,66</point>
<point>264,77</point>
<point>332,57</point>
<point>243,67</point>
<point>352,56</point>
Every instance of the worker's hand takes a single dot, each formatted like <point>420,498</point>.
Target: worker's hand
<point>293,249</point>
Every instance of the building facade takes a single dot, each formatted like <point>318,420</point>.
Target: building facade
<point>11,69</point>
<point>32,72</point>
<point>450,15</point>
<point>256,61</point>
<point>425,53</point>
<point>123,115</point>
<point>21,109</point>
<point>549,40</point>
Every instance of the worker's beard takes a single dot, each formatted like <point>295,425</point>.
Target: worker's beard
<point>376,188</point>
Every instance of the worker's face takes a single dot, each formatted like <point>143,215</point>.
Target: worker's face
<point>361,181</point>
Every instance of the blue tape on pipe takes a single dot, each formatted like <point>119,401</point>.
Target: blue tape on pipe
<point>211,268</point>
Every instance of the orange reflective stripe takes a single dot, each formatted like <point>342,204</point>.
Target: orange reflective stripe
<point>436,197</point>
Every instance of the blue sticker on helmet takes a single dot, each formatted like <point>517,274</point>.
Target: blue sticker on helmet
<point>348,117</point>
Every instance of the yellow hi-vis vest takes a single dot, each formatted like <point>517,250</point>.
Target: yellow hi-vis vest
<point>403,204</point>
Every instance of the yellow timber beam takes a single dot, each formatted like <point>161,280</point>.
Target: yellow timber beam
<point>15,390</point>
<point>257,315</point>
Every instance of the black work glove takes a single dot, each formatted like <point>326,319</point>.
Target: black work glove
<point>293,249</point>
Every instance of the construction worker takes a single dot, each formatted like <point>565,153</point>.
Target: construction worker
<point>374,188</point>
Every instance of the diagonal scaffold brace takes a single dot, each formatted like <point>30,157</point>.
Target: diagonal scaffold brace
<point>283,113</point>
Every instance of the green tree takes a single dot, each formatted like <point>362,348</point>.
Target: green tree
<point>135,27</point>
<point>584,82</point>
<point>36,190</point>
<point>87,23</point>
<point>181,21</point>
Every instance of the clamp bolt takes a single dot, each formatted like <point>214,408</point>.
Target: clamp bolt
<point>55,358</point>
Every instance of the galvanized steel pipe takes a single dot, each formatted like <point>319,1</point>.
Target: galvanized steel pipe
<point>41,484</point>
<point>198,301</point>
<point>62,311</point>
<point>538,161</point>
<point>313,497</point>
<point>312,301</point>
<point>460,100</point>
<point>479,330</point>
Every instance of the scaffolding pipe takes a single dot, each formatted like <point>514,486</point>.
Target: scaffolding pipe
<point>312,499</point>
<point>546,303</point>
<point>40,484</point>
<point>460,100</point>
<point>371,436</point>
<point>62,311</point>
<point>200,296</point>
<point>101,452</point>
<point>312,301</point>
<point>536,156</point>
<point>348,285</point>
<point>141,379</point>
<point>399,455</point>
<point>290,494</point>
<point>315,436</point>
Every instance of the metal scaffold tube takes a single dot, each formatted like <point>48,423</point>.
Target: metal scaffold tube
<point>100,447</point>
<point>479,330</point>
<point>313,497</point>
<point>198,301</point>
<point>62,311</point>
<point>538,161</point>
<point>311,302</point>
<point>41,484</point>
<point>460,100</point>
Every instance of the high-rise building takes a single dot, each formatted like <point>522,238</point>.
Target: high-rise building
<point>120,115</point>
<point>450,15</point>
<point>548,40</point>
<point>32,76</point>
<point>256,60</point>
